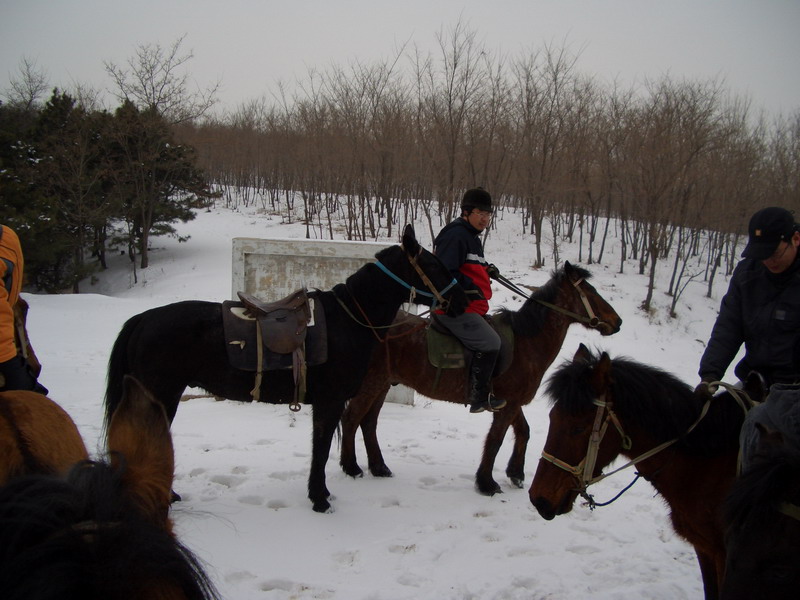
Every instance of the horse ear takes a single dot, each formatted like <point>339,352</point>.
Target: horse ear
<point>582,354</point>
<point>601,376</point>
<point>410,243</point>
<point>139,441</point>
<point>755,386</point>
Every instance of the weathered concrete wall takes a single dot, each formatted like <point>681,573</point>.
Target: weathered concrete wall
<point>272,269</point>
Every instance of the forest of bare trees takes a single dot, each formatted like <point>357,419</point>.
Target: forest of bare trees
<point>673,168</point>
<point>679,165</point>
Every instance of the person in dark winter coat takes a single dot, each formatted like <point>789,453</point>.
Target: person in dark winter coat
<point>459,247</point>
<point>761,308</point>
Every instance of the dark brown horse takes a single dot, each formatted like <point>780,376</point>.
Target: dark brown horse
<point>174,346</point>
<point>762,515</point>
<point>36,436</point>
<point>604,408</point>
<point>102,531</point>
<point>539,329</point>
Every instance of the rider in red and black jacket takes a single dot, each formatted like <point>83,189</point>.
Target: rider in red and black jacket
<point>459,247</point>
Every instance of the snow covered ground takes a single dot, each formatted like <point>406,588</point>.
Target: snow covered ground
<point>425,533</point>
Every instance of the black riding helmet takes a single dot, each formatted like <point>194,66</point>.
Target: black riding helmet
<point>476,198</point>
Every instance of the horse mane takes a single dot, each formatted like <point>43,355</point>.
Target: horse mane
<point>530,318</point>
<point>83,537</point>
<point>655,401</point>
<point>762,487</point>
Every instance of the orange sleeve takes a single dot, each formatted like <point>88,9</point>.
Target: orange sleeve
<point>10,252</point>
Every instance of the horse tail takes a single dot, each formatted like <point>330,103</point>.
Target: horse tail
<point>118,367</point>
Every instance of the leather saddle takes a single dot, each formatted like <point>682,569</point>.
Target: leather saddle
<point>289,333</point>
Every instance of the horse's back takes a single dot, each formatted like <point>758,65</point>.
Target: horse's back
<point>165,348</point>
<point>36,436</point>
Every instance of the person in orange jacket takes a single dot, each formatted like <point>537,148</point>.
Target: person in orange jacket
<point>13,367</point>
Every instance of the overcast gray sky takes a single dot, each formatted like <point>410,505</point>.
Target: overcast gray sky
<point>753,45</point>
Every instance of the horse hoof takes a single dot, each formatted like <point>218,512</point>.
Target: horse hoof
<point>353,472</point>
<point>383,471</point>
<point>489,490</point>
<point>518,482</point>
<point>174,496</point>
<point>323,507</point>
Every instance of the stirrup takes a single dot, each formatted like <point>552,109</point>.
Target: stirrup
<point>495,403</point>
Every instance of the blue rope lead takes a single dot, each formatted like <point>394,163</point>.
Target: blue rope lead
<point>383,268</point>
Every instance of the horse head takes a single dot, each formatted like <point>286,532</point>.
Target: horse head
<point>140,448</point>
<point>573,455</point>
<point>430,278</point>
<point>599,313</point>
<point>102,531</point>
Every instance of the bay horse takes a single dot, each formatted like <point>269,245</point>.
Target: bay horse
<point>103,530</point>
<point>183,344</point>
<point>36,436</point>
<point>539,328</point>
<point>762,518</point>
<point>603,408</point>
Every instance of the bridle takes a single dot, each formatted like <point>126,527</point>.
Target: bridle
<point>584,469</point>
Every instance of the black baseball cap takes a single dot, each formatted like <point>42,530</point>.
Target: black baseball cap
<point>768,228</point>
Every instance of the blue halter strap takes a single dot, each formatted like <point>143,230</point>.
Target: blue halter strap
<point>383,268</point>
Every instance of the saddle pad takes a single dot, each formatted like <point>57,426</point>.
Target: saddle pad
<point>241,340</point>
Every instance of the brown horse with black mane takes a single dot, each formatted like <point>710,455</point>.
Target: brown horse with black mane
<point>603,408</point>
<point>539,329</point>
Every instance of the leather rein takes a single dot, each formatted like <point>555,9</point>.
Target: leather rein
<point>590,319</point>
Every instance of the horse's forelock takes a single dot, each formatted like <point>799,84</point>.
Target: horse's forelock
<point>568,386</point>
<point>581,272</point>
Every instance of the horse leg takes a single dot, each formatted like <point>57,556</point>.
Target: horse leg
<point>325,420</point>
<point>359,413</point>
<point>347,455</point>
<point>484,482</point>
<point>369,429</point>
<point>708,570</point>
<point>516,464</point>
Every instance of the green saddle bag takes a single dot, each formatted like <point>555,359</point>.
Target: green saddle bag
<point>445,351</point>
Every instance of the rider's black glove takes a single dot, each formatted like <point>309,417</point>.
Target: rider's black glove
<point>493,271</point>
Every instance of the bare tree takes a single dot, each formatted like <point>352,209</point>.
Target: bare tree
<point>156,79</point>
<point>28,88</point>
